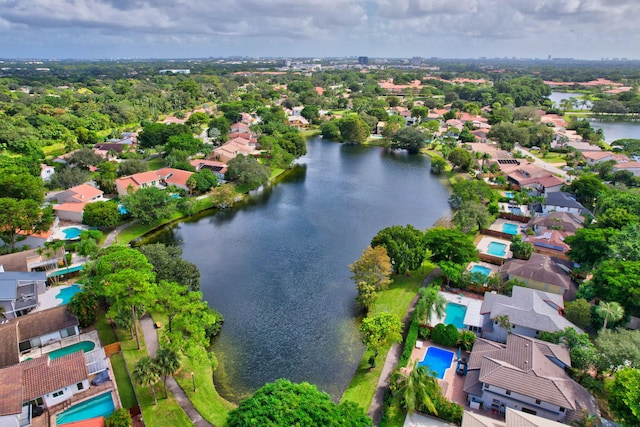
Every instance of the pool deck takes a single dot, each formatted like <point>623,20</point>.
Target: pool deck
<point>48,299</point>
<point>37,352</point>
<point>494,268</point>
<point>472,301</point>
<point>483,246</point>
<point>498,223</point>
<point>58,234</point>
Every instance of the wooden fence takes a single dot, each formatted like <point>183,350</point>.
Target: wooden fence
<point>109,349</point>
<point>491,259</point>
<point>514,217</point>
<point>551,253</point>
<point>496,233</point>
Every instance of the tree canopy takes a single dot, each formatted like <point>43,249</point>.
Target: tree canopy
<point>404,246</point>
<point>450,244</point>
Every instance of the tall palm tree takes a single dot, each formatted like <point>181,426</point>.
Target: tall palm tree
<point>612,311</point>
<point>430,303</point>
<point>415,389</point>
<point>485,157</point>
<point>167,362</point>
<point>505,323</point>
<point>145,374</point>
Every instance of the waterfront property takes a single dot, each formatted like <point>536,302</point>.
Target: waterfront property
<point>69,233</point>
<point>506,227</point>
<point>541,272</point>
<point>19,291</point>
<point>461,311</point>
<point>484,268</point>
<point>99,406</point>
<point>495,247</point>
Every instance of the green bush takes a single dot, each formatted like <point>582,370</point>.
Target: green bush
<point>466,340</point>
<point>448,411</point>
<point>445,335</point>
<point>409,342</point>
<point>424,333</point>
<point>120,418</point>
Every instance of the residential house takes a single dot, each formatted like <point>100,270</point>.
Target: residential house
<point>554,220</point>
<point>409,119</point>
<point>72,201</point>
<point>22,335</point>
<point>174,177</point>
<point>298,122</point>
<point>219,169</point>
<point>233,148</point>
<point>528,311</point>
<point>530,176</point>
<point>561,201</point>
<point>31,260</point>
<point>595,157</point>
<point>526,375</point>
<point>19,291</point>
<point>513,418</point>
<point>633,167</point>
<point>542,273</point>
<point>131,183</point>
<point>551,242</point>
<point>239,128</point>
<point>110,150</point>
<point>46,172</point>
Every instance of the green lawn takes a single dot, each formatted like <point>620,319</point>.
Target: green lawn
<point>125,388</point>
<point>552,158</point>
<point>105,331</point>
<point>50,150</point>
<point>156,163</point>
<point>394,300</point>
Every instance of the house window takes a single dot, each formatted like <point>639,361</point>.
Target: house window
<point>57,393</point>
<point>537,401</point>
<point>80,386</point>
<point>508,393</point>
<point>561,409</point>
<point>486,385</point>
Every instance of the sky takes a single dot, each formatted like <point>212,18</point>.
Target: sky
<point>110,29</point>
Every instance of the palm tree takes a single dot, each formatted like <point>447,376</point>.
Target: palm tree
<point>503,321</point>
<point>167,362</point>
<point>415,389</point>
<point>145,373</point>
<point>612,311</point>
<point>587,420</point>
<point>485,157</point>
<point>430,303</point>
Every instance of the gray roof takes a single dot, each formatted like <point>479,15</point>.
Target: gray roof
<point>523,366</point>
<point>9,281</point>
<point>566,221</point>
<point>562,199</point>
<point>539,268</point>
<point>528,308</point>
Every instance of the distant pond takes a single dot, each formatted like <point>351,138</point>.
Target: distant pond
<point>277,266</point>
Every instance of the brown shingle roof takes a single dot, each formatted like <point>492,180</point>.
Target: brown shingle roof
<point>44,322</point>
<point>538,268</point>
<point>43,375</point>
<point>9,353</point>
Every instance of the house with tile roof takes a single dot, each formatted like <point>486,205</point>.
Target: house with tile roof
<point>540,272</point>
<point>71,202</point>
<point>551,242</point>
<point>131,183</point>
<point>298,122</point>
<point>24,336</point>
<point>219,169</point>
<point>529,311</point>
<point>554,220</point>
<point>561,201</point>
<point>526,375</point>
<point>513,418</point>
<point>19,291</point>
<point>595,157</point>
<point>633,167</point>
<point>230,149</point>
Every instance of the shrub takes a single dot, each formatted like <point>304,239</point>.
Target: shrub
<point>466,340</point>
<point>409,342</point>
<point>120,418</point>
<point>445,335</point>
<point>424,333</point>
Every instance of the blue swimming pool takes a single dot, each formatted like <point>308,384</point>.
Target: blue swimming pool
<point>438,360</point>
<point>455,315</point>
<point>509,194</point>
<point>122,210</point>
<point>71,233</point>
<point>497,249</point>
<point>85,346</point>
<point>509,228</point>
<point>66,294</point>
<point>481,269</point>
<point>99,406</point>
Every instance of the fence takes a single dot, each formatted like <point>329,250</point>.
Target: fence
<point>514,217</point>
<point>496,233</point>
<point>491,259</point>
<point>109,349</point>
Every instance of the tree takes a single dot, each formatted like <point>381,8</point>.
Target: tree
<point>311,113</point>
<point>120,418</point>
<point>619,348</point>
<point>505,324</point>
<point>509,134</point>
<point>16,183</point>
<point>353,129</point>
<point>202,181</point>
<point>148,204</point>
<point>470,214</point>
<point>590,245</point>
<point>247,171</point>
<point>625,245</point>
<point>197,118</point>
<point>446,335</point>
<point>430,303</point>
<point>183,142</point>
<point>330,129</point>
<point>378,331</point>
<point>158,134</point>
<point>472,190</point>
<point>371,273</point>
<point>403,245</point>
<point>22,216</point>
<point>438,165</point>
<point>587,188</point>
<point>414,390</point>
<point>520,249</point>
<point>584,355</point>
<point>85,158</point>
<point>459,157</point>
<point>616,218</point>
<point>222,125</point>
<point>67,177</point>
<point>84,305</point>
<point>410,139</point>
<point>146,374</point>
<point>578,312</point>
<point>128,280</point>
<point>132,167</point>
<point>449,244</point>
<point>167,362</point>
<point>609,311</point>
<point>168,265</point>
<point>101,214</point>
<point>624,396</point>
<point>617,280</point>
<point>283,404</point>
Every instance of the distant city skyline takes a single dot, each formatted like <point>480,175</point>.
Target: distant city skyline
<point>105,29</point>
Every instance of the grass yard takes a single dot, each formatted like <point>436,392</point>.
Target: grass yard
<point>105,331</point>
<point>394,300</point>
<point>54,149</point>
<point>125,388</point>
<point>557,159</point>
<point>156,163</point>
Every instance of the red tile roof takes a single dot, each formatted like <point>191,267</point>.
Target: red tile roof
<point>43,375</point>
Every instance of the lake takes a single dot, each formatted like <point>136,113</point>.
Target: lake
<point>557,97</point>
<point>617,129</point>
<point>277,266</point>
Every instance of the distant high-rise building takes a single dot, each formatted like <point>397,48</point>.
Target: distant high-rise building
<point>363,60</point>
<point>416,60</point>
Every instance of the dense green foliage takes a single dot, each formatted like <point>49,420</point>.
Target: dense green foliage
<point>404,246</point>
<point>445,335</point>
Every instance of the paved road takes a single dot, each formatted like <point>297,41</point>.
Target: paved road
<point>151,340</point>
<point>390,363</point>
<point>111,237</point>
<point>542,163</point>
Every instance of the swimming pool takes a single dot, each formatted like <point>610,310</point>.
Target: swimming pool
<point>438,360</point>
<point>71,233</point>
<point>509,194</point>
<point>455,315</point>
<point>497,249</point>
<point>66,294</point>
<point>85,346</point>
<point>481,269</point>
<point>99,406</point>
<point>509,228</point>
<point>122,210</point>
